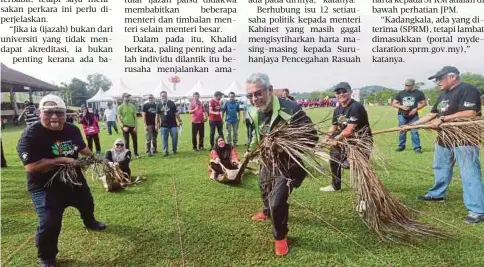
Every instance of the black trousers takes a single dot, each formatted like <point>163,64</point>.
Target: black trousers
<point>198,128</point>
<point>134,136</point>
<point>94,137</point>
<point>213,125</point>
<point>250,128</point>
<point>50,204</point>
<point>4,161</point>
<point>275,191</point>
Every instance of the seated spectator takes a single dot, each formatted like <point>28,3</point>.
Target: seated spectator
<point>224,162</point>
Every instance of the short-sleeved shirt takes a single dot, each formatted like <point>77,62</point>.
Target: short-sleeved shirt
<point>31,115</point>
<point>167,111</point>
<point>127,112</point>
<point>353,113</point>
<point>409,99</point>
<point>216,107</point>
<point>197,116</point>
<point>463,97</point>
<point>65,143</point>
<point>231,110</point>
<point>150,113</point>
<point>110,114</point>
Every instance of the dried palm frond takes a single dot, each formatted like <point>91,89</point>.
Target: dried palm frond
<point>68,173</point>
<point>382,213</point>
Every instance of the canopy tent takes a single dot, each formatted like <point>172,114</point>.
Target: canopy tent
<point>118,89</point>
<point>163,87</point>
<point>101,96</point>
<point>236,88</point>
<point>202,91</point>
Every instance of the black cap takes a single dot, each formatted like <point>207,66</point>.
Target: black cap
<point>445,70</point>
<point>342,85</point>
<point>218,93</point>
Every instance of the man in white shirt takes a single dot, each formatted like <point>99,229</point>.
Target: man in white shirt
<point>110,118</point>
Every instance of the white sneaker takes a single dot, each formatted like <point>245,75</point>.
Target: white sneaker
<point>328,188</point>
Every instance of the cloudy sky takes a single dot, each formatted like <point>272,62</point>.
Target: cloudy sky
<point>296,76</point>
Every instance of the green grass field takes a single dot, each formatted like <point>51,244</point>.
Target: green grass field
<point>179,214</point>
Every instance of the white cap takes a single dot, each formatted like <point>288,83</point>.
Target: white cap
<point>52,101</point>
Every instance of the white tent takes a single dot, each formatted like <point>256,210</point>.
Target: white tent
<point>118,89</point>
<point>100,96</point>
<point>236,88</point>
<point>204,93</point>
<point>163,87</point>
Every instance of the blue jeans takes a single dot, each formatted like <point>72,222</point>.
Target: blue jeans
<point>49,205</point>
<point>402,136</point>
<point>173,131</point>
<point>470,171</point>
<point>112,124</point>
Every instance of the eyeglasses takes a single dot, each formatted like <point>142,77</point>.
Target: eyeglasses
<point>256,94</point>
<point>58,113</point>
<point>339,92</point>
<point>119,144</point>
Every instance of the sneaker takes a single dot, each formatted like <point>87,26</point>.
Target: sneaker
<point>201,148</point>
<point>280,247</point>
<point>195,150</point>
<point>95,225</point>
<point>418,151</point>
<point>400,149</point>
<point>430,198</point>
<point>474,218</point>
<point>328,188</point>
<point>136,155</point>
<point>48,263</point>
<point>165,155</point>
<point>260,216</point>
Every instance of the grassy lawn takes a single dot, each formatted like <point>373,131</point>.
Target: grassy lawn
<point>214,226</point>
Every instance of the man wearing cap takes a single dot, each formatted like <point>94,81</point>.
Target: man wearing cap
<point>408,102</point>
<point>149,116</point>
<point>349,117</point>
<point>110,118</point>
<point>268,111</point>
<point>166,117</point>
<point>458,100</point>
<point>30,113</point>
<point>215,116</point>
<point>60,144</point>
<point>128,121</point>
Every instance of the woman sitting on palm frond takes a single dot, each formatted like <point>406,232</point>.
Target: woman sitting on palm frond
<point>118,173</point>
<point>224,162</point>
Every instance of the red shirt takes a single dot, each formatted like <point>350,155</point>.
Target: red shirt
<point>197,116</point>
<point>215,106</point>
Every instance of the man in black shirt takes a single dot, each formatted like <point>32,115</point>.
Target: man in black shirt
<point>458,100</point>
<point>166,118</point>
<point>149,115</point>
<point>349,117</point>
<point>408,102</point>
<point>60,144</point>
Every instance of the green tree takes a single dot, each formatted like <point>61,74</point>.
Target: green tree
<point>79,92</point>
<point>381,97</point>
<point>98,80</point>
<point>475,79</point>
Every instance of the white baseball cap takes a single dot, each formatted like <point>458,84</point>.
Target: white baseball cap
<point>52,101</point>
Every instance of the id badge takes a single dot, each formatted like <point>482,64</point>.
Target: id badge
<point>165,113</point>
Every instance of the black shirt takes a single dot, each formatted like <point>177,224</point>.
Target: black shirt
<point>409,99</point>
<point>31,115</point>
<point>167,112</point>
<point>38,142</point>
<point>150,113</point>
<point>463,97</point>
<point>353,113</point>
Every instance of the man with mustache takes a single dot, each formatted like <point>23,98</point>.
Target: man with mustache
<point>349,117</point>
<point>458,100</point>
<point>266,112</point>
<point>60,143</point>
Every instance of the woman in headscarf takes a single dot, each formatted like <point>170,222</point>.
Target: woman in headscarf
<point>91,128</point>
<point>119,158</point>
<point>224,161</point>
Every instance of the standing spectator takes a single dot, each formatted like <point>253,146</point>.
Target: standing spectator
<point>215,116</point>
<point>231,110</point>
<point>109,117</point>
<point>89,122</point>
<point>30,114</point>
<point>286,96</point>
<point>70,115</point>
<point>166,118</point>
<point>248,121</point>
<point>457,101</point>
<point>42,148</point>
<point>198,121</point>
<point>128,121</point>
<point>408,102</point>
<point>149,115</point>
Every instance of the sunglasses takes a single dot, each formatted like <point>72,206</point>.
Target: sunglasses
<point>58,113</point>
<point>119,144</point>
<point>256,94</point>
<point>339,92</point>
